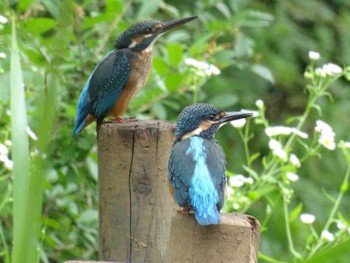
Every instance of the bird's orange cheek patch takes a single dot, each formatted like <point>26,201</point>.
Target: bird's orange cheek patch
<point>205,125</point>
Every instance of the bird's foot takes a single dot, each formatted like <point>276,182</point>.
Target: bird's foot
<point>131,119</point>
<point>184,211</point>
<point>119,119</point>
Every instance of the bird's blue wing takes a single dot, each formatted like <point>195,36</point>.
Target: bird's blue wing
<point>103,88</point>
<point>181,169</point>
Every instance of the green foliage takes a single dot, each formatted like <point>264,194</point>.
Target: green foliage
<point>260,49</point>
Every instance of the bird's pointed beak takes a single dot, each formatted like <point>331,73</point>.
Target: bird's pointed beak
<point>232,115</point>
<point>174,23</point>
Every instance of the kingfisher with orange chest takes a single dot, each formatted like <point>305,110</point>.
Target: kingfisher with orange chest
<point>121,74</point>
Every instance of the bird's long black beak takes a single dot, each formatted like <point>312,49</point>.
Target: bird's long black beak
<point>231,116</point>
<point>174,23</point>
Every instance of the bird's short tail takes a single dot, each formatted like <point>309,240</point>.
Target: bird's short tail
<point>208,217</point>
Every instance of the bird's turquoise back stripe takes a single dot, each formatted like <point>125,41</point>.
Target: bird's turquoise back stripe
<point>202,192</point>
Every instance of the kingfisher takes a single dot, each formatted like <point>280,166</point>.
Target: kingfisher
<point>121,74</point>
<point>197,162</point>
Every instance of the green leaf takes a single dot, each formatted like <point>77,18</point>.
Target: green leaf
<point>159,110</point>
<point>39,25</point>
<point>24,249</point>
<point>148,8</point>
<point>175,53</point>
<point>251,172</point>
<point>224,100</point>
<point>263,72</point>
<point>160,66</point>
<point>174,81</point>
<point>296,212</point>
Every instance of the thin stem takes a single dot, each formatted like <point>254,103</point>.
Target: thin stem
<point>333,212</point>
<point>289,233</point>
<point>245,145</point>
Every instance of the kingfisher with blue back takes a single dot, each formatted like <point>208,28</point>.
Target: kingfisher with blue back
<point>197,162</point>
<point>121,74</point>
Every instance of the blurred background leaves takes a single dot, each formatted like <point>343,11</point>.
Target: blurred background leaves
<point>261,49</point>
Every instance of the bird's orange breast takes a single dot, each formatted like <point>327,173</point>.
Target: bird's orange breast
<point>140,69</point>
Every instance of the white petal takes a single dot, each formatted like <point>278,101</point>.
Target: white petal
<point>292,177</point>
<point>294,160</point>
<point>238,123</point>
<point>307,218</point>
<point>259,104</point>
<point>327,236</point>
<point>314,55</point>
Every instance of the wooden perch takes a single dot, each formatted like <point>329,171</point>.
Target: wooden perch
<point>135,204</point>
<point>235,239</point>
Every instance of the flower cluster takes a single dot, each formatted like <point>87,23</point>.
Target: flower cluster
<point>283,130</point>
<point>203,68</point>
<point>328,70</point>
<point>239,180</point>
<point>327,135</point>
<point>4,155</point>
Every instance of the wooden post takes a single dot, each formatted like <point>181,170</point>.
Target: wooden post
<point>234,240</point>
<point>135,204</point>
<point>138,218</point>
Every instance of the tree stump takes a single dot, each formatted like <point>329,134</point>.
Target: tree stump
<point>234,240</point>
<point>135,204</point>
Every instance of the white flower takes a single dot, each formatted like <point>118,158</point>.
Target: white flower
<point>8,143</point>
<point>3,149</point>
<point>2,55</point>
<point>259,104</point>
<point>314,55</point>
<point>236,206</point>
<point>326,135</point>
<point>340,225</point>
<point>327,236</point>
<point>294,160</point>
<point>347,144</point>
<point>292,177</point>
<point>8,164</point>
<point>229,191</point>
<point>299,133</point>
<point>239,180</point>
<point>327,140</point>
<point>238,123</point>
<point>307,218</point>
<point>204,67</point>
<point>3,20</point>
<point>278,130</point>
<point>321,126</point>
<point>320,72</point>
<point>332,69</point>
<point>274,144</point>
<point>280,153</point>
<point>249,180</point>
<point>31,134</point>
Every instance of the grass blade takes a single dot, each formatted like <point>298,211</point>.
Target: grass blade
<point>24,242</point>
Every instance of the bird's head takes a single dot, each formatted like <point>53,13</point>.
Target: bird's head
<point>142,35</point>
<point>203,120</point>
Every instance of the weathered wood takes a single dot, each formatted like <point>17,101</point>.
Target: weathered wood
<point>89,261</point>
<point>135,205</point>
<point>234,240</point>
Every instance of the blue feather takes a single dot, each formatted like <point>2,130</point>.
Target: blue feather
<point>202,193</point>
<point>103,88</point>
<point>82,108</point>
